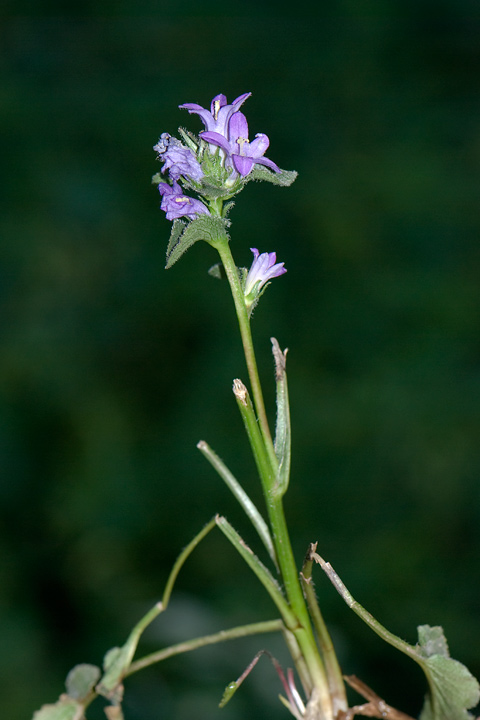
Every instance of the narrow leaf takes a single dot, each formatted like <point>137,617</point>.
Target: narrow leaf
<point>282,429</point>
<point>177,229</point>
<point>262,573</point>
<point>249,507</point>
<point>255,438</point>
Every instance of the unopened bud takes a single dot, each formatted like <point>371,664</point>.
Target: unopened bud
<point>240,392</point>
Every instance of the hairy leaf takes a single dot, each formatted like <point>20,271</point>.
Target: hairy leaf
<point>183,237</point>
<point>453,689</point>
<point>81,680</point>
<point>282,429</point>
<point>283,178</point>
<point>64,709</point>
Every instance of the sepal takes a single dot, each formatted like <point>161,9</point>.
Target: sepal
<point>190,140</point>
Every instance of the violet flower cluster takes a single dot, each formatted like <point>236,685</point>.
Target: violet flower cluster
<point>216,164</point>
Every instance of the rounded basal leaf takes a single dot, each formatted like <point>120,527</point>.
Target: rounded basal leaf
<point>81,680</point>
<point>453,689</point>
<point>64,709</point>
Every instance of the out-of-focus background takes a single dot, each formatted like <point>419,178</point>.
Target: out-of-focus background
<point>112,369</point>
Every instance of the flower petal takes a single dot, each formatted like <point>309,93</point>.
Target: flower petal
<point>242,164</point>
<point>218,102</point>
<point>268,163</point>
<point>237,127</point>
<point>259,146</point>
<point>216,139</point>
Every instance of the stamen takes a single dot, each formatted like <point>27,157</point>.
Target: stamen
<point>241,141</point>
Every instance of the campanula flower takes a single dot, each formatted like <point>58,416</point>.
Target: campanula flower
<point>216,119</point>
<point>241,154</point>
<point>264,268</point>
<point>178,159</point>
<point>176,205</point>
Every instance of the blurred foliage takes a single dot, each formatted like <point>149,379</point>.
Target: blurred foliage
<point>111,369</point>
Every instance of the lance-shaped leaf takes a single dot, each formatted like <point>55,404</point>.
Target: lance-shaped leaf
<point>284,178</point>
<point>204,227</point>
<point>282,429</point>
<point>249,507</point>
<point>453,689</point>
<point>262,573</point>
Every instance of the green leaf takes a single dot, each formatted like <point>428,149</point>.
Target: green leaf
<point>249,507</point>
<point>81,681</point>
<point>217,271</point>
<point>177,229</point>
<point>207,228</point>
<point>80,684</point>
<point>262,573</point>
<point>64,709</point>
<point>453,689</point>
<point>282,429</point>
<point>284,178</point>
<point>229,692</point>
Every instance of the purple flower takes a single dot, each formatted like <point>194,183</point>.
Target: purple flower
<point>216,119</point>
<point>176,205</point>
<point>263,269</point>
<point>177,158</point>
<point>241,154</point>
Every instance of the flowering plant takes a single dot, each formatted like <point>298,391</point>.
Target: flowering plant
<point>199,177</point>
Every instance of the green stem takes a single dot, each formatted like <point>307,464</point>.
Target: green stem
<point>244,323</point>
<point>231,634</point>
<point>303,632</point>
<point>334,673</point>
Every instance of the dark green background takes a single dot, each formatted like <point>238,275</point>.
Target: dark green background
<point>112,369</point>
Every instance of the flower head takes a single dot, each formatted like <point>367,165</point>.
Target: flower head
<point>264,268</point>
<point>241,154</point>
<point>178,159</point>
<point>176,205</point>
<point>216,119</point>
